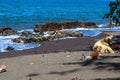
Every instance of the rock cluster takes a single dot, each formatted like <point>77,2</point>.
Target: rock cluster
<point>7,31</point>
<point>51,26</point>
<point>53,29</point>
<point>63,34</point>
<point>28,37</point>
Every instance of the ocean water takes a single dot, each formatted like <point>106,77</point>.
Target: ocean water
<point>23,15</point>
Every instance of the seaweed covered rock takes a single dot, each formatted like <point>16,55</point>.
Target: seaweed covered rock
<point>64,34</point>
<point>7,31</point>
<point>27,37</point>
<point>52,26</point>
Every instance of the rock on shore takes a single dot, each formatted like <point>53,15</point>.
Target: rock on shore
<point>28,37</point>
<point>7,31</point>
<point>51,26</point>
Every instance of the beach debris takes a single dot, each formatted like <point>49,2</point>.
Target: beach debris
<point>31,63</point>
<point>93,55</point>
<point>3,67</point>
<point>29,79</point>
<point>68,56</point>
<point>83,57</point>
<point>74,78</point>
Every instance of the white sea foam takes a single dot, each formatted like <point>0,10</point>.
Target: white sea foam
<point>94,31</point>
<point>5,41</point>
<point>102,25</point>
<point>9,37</point>
<point>31,30</point>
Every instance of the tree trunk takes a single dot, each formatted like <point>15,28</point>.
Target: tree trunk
<point>111,21</point>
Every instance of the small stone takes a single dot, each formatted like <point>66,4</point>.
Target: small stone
<point>31,63</point>
<point>68,56</point>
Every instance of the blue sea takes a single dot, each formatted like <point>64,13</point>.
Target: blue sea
<point>25,14</point>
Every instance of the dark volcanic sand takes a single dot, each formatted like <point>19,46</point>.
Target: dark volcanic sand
<point>76,44</point>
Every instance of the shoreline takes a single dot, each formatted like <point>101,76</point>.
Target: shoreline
<point>67,45</point>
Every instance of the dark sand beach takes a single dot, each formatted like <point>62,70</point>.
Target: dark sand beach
<point>60,60</point>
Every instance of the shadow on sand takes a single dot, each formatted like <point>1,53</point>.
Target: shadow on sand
<point>108,78</point>
<point>102,63</point>
<point>32,74</point>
